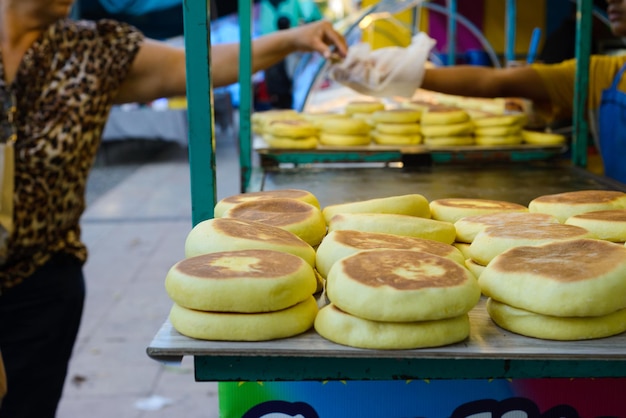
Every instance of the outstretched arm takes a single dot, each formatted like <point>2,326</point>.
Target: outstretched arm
<point>474,81</point>
<point>159,69</point>
<point>272,48</point>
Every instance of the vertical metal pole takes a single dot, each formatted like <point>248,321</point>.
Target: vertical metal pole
<point>201,135</point>
<point>452,9</point>
<point>510,25</point>
<point>75,13</point>
<point>245,91</point>
<point>581,86</point>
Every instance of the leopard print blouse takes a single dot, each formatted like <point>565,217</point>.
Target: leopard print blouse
<point>64,89</point>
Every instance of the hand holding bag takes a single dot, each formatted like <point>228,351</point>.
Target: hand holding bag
<point>385,72</point>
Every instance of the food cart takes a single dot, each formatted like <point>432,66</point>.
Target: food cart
<point>490,368</point>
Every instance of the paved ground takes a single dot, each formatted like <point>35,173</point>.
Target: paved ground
<point>138,215</point>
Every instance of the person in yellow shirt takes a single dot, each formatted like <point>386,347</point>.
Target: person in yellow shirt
<point>551,88</point>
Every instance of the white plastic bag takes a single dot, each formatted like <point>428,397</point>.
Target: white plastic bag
<point>384,72</point>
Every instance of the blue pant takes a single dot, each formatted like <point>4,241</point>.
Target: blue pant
<point>39,322</point>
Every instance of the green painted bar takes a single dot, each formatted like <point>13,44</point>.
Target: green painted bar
<point>245,91</point>
<point>452,30</point>
<point>201,135</point>
<point>583,51</point>
<point>449,157</point>
<point>296,369</point>
<point>511,28</point>
<point>311,157</point>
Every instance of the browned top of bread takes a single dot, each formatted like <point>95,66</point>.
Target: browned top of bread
<point>403,270</point>
<point>611,215</point>
<point>291,122</point>
<point>563,261</point>
<point>502,218</point>
<point>277,212</point>
<point>240,228</point>
<point>439,108</point>
<point>470,203</point>
<point>374,240</point>
<point>243,263</point>
<point>582,197</point>
<point>267,194</point>
<point>536,231</point>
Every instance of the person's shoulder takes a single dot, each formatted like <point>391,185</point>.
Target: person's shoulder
<point>563,70</point>
<point>89,29</point>
<point>598,64</point>
<point>609,61</point>
<point>606,66</point>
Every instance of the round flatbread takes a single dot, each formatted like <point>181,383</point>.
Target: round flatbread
<point>348,126</point>
<point>298,128</point>
<point>342,328</point>
<point>454,129</point>
<point>364,106</point>
<point>391,223</point>
<point>339,244</point>
<point>298,217</point>
<point>609,225</point>
<point>420,105</point>
<point>408,204</point>
<point>398,128</point>
<point>260,120</point>
<point>395,139</point>
<point>297,194</point>
<point>227,234</point>
<point>365,117</point>
<point>408,116</point>
<point>468,227</point>
<point>463,247</point>
<point>290,143</point>
<point>453,209</point>
<point>565,205</point>
<point>219,326</point>
<point>547,327</point>
<point>576,278</point>
<point>542,138</point>
<point>317,118</point>
<point>344,140</point>
<point>500,131</point>
<point>240,281</point>
<point>401,286</point>
<point>474,267</point>
<point>499,120</point>
<point>490,140</point>
<point>496,239</point>
<point>443,115</point>
<point>274,114</point>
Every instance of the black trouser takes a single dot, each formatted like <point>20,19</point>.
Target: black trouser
<point>39,321</point>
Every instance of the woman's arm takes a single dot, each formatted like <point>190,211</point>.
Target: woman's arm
<point>159,69</point>
<point>270,49</point>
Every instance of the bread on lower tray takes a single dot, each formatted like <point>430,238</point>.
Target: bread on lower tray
<point>559,290</point>
<point>393,299</point>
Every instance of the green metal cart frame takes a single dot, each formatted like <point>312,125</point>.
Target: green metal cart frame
<point>218,362</point>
